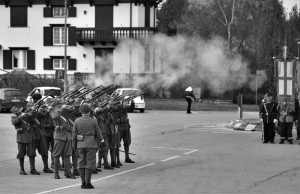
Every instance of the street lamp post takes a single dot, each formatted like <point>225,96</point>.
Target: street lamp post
<point>65,47</point>
<point>298,43</point>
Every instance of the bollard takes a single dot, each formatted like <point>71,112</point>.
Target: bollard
<point>240,106</point>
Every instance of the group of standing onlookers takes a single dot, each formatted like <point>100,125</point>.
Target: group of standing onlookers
<point>279,117</point>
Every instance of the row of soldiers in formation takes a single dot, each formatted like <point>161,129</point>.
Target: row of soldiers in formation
<point>279,117</point>
<point>48,125</point>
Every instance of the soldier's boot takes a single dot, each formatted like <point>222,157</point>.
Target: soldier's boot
<point>127,159</point>
<point>290,141</point>
<point>32,166</point>
<point>88,176</point>
<point>56,168</point>
<point>68,173</point>
<point>100,156</point>
<point>281,141</point>
<point>62,164</point>
<point>82,176</point>
<point>22,171</point>
<point>75,166</point>
<point>46,168</point>
<point>113,158</point>
<point>52,161</point>
<point>106,164</point>
<point>118,157</point>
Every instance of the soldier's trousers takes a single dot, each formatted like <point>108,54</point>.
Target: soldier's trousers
<point>269,132</point>
<point>286,131</point>
<point>41,146</point>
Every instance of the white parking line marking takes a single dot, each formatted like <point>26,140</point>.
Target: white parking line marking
<point>191,152</point>
<point>172,148</point>
<point>146,126</point>
<point>170,158</point>
<point>100,179</point>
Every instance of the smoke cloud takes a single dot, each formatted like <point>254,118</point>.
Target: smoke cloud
<point>197,62</point>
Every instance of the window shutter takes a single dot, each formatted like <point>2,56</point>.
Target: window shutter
<point>72,64</point>
<point>72,11</point>
<point>48,64</point>
<point>31,59</point>
<point>7,59</point>
<point>72,39</point>
<point>47,12</point>
<point>48,36</point>
<point>147,16</point>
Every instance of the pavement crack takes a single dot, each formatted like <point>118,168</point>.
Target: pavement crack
<point>176,130</point>
<point>269,178</point>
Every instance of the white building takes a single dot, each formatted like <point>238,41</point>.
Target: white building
<point>32,35</point>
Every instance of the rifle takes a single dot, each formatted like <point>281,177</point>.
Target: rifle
<point>86,92</point>
<point>101,93</point>
<point>71,94</point>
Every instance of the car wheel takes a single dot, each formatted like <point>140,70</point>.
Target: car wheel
<point>142,110</point>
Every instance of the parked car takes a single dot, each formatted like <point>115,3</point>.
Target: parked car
<point>10,97</point>
<point>137,103</point>
<point>44,91</point>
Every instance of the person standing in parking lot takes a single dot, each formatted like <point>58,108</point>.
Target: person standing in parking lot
<point>36,96</point>
<point>190,97</point>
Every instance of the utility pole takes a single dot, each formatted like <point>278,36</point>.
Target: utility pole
<point>65,45</point>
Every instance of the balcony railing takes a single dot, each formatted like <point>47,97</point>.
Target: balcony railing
<point>93,35</point>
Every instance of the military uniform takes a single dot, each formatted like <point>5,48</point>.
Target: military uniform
<point>62,138</point>
<point>125,135</point>
<point>85,134</point>
<point>269,115</point>
<point>47,130</point>
<point>189,96</point>
<point>288,114</point>
<point>100,114</point>
<point>24,140</point>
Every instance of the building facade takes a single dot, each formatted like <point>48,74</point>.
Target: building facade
<point>32,35</point>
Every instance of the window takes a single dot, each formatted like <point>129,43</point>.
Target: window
<point>59,12</point>
<point>19,59</point>
<point>59,35</point>
<point>59,63</point>
<point>18,16</point>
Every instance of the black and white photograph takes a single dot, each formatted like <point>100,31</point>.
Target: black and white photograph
<point>150,96</point>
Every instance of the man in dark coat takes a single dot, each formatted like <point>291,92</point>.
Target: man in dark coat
<point>269,115</point>
<point>190,97</point>
<point>85,135</point>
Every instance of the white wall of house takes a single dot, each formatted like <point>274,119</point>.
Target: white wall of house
<point>138,16</point>
<point>33,37</point>
<point>122,15</point>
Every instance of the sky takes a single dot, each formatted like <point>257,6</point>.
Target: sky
<point>288,4</point>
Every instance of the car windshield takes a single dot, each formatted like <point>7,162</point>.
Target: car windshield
<point>53,92</point>
<point>13,93</point>
<point>128,92</point>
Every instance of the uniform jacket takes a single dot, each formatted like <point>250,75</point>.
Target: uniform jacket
<point>269,111</point>
<point>287,113</point>
<point>63,129</point>
<point>23,134</point>
<point>46,123</point>
<point>189,94</point>
<point>89,129</point>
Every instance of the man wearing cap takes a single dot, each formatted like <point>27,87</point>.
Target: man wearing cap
<point>125,135</point>
<point>47,130</point>
<point>62,137</point>
<point>85,134</point>
<point>24,140</point>
<point>103,147</point>
<point>269,115</point>
<point>190,97</point>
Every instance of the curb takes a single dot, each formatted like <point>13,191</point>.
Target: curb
<point>245,125</point>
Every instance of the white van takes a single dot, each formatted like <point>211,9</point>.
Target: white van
<point>137,103</point>
<point>44,91</point>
